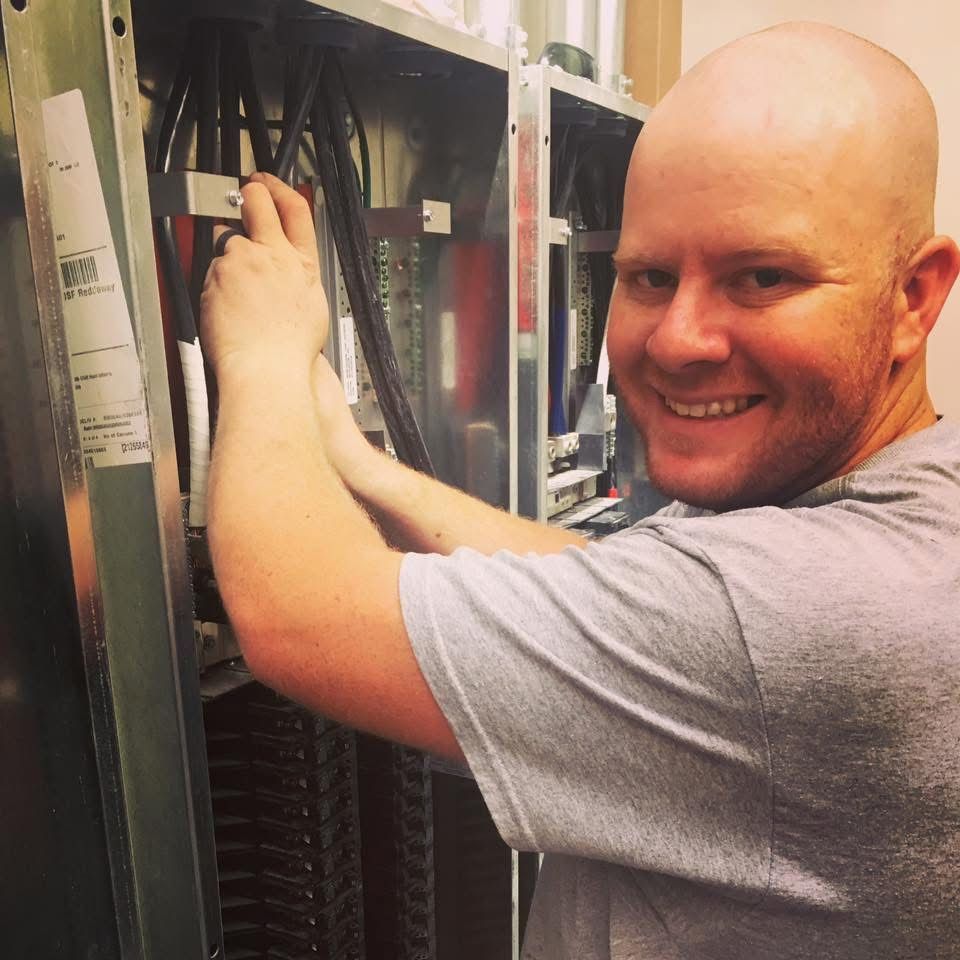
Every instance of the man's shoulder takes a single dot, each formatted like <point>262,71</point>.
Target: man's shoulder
<point>894,519</point>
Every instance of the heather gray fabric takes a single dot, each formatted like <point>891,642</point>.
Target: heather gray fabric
<point>737,736</point>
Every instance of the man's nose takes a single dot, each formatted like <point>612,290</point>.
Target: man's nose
<point>693,330</point>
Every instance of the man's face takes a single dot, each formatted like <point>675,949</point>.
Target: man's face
<point>749,331</point>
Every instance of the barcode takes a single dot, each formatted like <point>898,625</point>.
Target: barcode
<point>79,271</point>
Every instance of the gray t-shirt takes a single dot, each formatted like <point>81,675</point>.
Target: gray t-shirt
<point>736,736</point>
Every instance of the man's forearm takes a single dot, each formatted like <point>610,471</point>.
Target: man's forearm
<point>423,515</point>
<point>283,494</point>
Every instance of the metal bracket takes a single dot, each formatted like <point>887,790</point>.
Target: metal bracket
<point>598,241</point>
<point>195,194</point>
<point>189,193</point>
<point>429,216</point>
<point>560,231</point>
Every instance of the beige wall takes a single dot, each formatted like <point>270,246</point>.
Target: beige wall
<point>651,47</point>
<point>925,34</point>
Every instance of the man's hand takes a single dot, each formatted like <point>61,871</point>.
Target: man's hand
<point>262,300</point>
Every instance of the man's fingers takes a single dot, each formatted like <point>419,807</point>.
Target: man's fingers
<point>294,213</point>
<point>261,222</point>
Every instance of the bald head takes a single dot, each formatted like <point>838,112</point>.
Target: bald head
<point>777,267</point>
<point>817,102</point>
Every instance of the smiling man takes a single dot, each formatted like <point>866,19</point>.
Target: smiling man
<point>733,728</point>
<point>776,200</point>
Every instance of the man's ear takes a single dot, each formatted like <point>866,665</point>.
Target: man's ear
<point>927,280</point>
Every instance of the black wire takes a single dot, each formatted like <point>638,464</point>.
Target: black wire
<point>401,422</point>
<point>343,199</point>
<point>252,104</point>
<point>365,185</point>
<point>179,293</point>
<point>294,125</point>
<point>207,80</point>
<point>229,110</point>
<point>176,104</point>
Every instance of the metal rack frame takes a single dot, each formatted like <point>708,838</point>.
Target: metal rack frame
<point>123,548</point>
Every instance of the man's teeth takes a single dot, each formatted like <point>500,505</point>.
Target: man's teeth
<point>715,408</point>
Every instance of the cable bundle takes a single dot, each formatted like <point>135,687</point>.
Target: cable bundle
<point>343,199</point>
<point>215,73</point>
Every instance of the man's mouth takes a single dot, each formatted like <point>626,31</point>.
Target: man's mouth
<point>720,407</point>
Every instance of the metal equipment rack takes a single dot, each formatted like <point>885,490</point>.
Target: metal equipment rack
<point>108,823</point>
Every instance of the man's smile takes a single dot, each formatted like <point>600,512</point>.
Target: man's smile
<point>709,408</point>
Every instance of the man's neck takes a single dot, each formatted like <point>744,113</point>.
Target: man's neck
<point>912,412</point>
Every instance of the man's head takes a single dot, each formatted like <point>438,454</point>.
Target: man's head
<point>777,269</point>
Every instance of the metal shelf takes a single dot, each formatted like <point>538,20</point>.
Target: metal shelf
<point>420,29</point>
<point>590,92</point>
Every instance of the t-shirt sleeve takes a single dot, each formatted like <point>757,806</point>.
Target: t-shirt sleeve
<point>604,700</point>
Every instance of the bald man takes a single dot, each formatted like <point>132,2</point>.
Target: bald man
<point>735,728</point>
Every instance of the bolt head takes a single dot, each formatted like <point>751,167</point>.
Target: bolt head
<point>235,198</point>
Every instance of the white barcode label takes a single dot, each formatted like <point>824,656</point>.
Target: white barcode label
<point>81,271</point>
<point>104,365</point>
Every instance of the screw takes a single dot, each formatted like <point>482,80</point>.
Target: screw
<point>235,198</point>
<point>427,215</point>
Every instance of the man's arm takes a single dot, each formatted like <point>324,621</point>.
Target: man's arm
<point>416,512</point>
<point>310,587</point>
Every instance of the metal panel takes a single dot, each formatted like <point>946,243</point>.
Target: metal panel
<point>431,147</point>
<point>57,840</point>
<point>123,523</point>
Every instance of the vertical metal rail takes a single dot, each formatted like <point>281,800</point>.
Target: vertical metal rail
<point>533,260</point>
<point>124,522</point>
<point>514,66</point>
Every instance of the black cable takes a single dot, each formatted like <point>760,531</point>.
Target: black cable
<point>229,109</point>
<point>294,125</point>
<point>252,104</point>
<point>188,345</point>
<point>365,179</point>
<point>184,322</point>
<point>401,422</point>
<point>353,247</point>
<point>207,80</point>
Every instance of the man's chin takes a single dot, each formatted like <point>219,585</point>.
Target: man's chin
<point>714,490</point>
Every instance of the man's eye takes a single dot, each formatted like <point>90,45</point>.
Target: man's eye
<point>656,279</point>
<point>765,277</point>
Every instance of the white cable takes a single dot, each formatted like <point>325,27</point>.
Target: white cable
<point>198,427</point>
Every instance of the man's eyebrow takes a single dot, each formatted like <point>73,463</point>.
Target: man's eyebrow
<point>796,253</point>
<point>629,258</point>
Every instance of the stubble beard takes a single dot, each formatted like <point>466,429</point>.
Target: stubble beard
<point>790,458</point>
